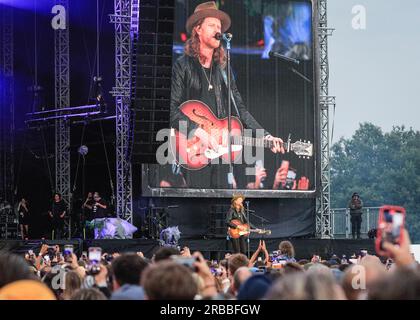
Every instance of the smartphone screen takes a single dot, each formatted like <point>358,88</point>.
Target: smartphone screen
<point>95,254</point>
<point>291,176</point>
<point>188,262</point>
<point>68,249</point>
<point>390,226</point>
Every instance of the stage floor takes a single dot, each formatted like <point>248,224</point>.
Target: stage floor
<point>211,248</point>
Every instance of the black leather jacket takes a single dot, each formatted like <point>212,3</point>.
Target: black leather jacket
<point>233,214</point>
<point>186,86</point>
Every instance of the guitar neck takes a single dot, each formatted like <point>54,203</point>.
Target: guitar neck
<point>254,142</point>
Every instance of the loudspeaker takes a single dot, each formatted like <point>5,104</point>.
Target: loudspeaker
<point>151,76</point>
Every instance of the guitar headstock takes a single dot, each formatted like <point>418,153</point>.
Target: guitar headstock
<point>263,231</point>
<point>302,149</point>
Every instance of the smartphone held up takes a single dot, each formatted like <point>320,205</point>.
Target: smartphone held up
<point>390,227</point>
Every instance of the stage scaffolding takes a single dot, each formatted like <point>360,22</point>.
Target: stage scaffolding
<point>323,214</point>
<point>62,101</point>
<point>123,128</point>
<point>8,225</point>
<point>124,14</point>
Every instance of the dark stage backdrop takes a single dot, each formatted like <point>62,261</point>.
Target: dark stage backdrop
<point>34,148</point>
<point>198,218</point>
<point>282,101</point>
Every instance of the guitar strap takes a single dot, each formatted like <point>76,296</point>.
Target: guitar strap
<point>224,75</point>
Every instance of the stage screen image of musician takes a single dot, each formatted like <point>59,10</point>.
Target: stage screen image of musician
<point>260,53</point>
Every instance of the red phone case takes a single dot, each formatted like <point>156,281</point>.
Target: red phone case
<point>382,225</point>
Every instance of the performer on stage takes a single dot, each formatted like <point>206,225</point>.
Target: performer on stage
<point>100,207</point>
<point>23,211</point>
<point>87,207</point>
<point>355,206</point>
<point>237,212</point>
<point>200,74</point>
<point>57,215</point>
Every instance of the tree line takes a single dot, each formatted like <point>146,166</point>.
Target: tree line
<point>384,168</point>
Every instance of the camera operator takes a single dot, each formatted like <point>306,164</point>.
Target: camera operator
<point>355,206</point>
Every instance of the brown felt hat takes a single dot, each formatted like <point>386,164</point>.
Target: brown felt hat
<point>205,10</point>
<point>237,196</point>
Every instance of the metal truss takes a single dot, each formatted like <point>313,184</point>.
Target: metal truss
<point>7,112</point>
<point>323,216</point>
<point>62,100</point>
<point>122,90</point>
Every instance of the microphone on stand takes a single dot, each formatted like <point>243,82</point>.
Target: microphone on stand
<point>277,55</point>
<point>225,36</point>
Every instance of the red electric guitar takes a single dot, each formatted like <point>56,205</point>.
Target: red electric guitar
<point>210,140</point>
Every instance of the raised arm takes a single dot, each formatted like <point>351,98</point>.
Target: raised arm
<point>255,256</point>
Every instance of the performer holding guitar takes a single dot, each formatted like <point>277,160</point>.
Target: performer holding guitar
<point>239,227</point>
<point>236,220</point>
<point>200,74</point>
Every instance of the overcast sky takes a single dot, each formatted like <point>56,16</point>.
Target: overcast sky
<point>375,73</point>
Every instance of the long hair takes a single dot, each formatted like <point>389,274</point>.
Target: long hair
<point>192,48</point>
<point>286,247</point>
<point>233,205</point>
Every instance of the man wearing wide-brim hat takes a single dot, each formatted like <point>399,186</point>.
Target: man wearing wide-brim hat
<point>201,73</point>
<point>237,213</point>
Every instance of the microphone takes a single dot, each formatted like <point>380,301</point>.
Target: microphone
<point>225,36</point>
<point>277,55</point>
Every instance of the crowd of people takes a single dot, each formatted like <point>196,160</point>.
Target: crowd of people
<point>58,274</point>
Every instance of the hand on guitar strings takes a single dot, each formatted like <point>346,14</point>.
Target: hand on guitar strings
<point>277,144</point>
<point>207,139</point>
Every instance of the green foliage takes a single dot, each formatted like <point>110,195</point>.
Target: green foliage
<point>384,168</point>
